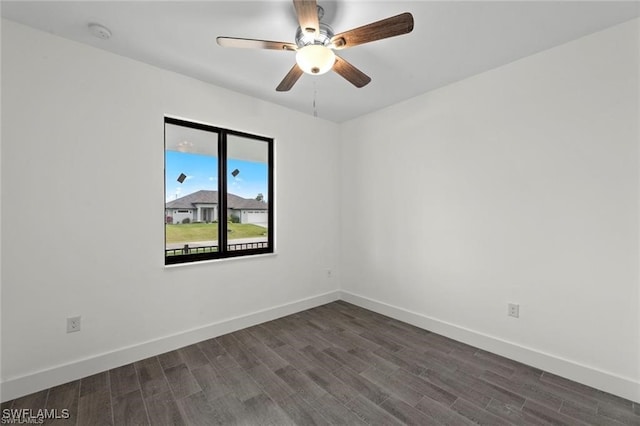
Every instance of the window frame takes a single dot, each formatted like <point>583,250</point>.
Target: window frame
<point>223,250</point>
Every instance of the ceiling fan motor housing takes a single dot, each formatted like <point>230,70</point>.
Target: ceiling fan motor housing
<point>304,38</point>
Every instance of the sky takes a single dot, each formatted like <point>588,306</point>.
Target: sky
<point>202,173</point>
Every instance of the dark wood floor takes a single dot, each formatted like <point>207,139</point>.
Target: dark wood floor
<point>334,364</point>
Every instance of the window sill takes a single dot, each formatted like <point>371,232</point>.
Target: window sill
<point>224,259</point>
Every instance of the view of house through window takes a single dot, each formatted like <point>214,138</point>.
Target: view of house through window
<point>218,193</point>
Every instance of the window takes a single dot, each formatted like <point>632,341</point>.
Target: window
<point>218,193</point>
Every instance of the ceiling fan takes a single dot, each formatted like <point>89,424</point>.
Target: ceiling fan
<point>315,43</point>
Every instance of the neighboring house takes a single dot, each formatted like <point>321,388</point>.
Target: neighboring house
<point>202,206</point>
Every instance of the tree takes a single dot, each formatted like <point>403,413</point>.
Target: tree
<point>260,197</point>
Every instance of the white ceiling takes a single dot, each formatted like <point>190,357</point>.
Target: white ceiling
<point>451,40</point>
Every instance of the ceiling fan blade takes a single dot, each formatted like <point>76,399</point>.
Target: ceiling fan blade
<point>351,73</point>
<point>390,27</point>
<point>307,11</point>
<point>249,43</point>
<point>290,79</point>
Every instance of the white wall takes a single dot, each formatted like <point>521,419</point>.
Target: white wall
<point>517,185</point>
<point>82,131</point>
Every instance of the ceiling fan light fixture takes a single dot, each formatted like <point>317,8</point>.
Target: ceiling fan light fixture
<point>315,59</point>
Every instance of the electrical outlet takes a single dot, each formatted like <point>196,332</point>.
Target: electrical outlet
<point>73,324</point>
<point>329,273</point>
<point>513,310</point>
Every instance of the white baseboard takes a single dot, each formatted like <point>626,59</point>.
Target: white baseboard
<point>603,380</point>
<point>27,384</point>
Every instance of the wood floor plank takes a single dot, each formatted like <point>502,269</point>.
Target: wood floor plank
<point>374,360</point>
<point>151,377</point>
<point>238,352</point>
<point>217,356</point>
<point>295,358</point>
<point>246,338</point>
<point>228,409</point>
<point>577,387</point>
<point>436,339</point>
<point>242,385</point>
<point>587,415</point>
<point>409,365</point>
<point>346,359</point>
<point>618,414</point>
<point>193,357</point>
<point>211,382</point>
<point>268,356</point>
<point>476,414</point>
<point>392,386</point>
<point>299,383</point>
<point>355,326</point>
<point>94,408</point>
<point>456,386</point>
<point>211,348</point>
<point>261,410</point>
<point>442,414</point>
<point>129,409</point>
<point>481,364</point>
<point>335,412</point>
<point>545,414</point>
<point>497,359</point>
<point>491,390</point>
<point>358,341</point>
<point>263,334</point>
<point>539,395</point>
<point>123,380</point>
<point>24,408</point>
<point>321,321</point>
<point>271,383</point>
<point>32,401</point>
<point>170,359</point>
<point>95,383</point>
<point>280,332</point>
<point>181,381</point>
<point>382,341</point>
<point>64,397</point>
<point>424,387</point>
<point>510,384</point>
<point>407,414</point>
<point>361,385</point>
<point>528,387</point>
<point>330,384</point>
<point>569,395</point>
<point>303,334</point>
<point>428,360</point>
<point>198,410</point>
<point>163,410</point>
<point>301,412</point>
<point>371,413</point>
<point>409,339</point>
<point>321,358</point>
<point>511,414</point>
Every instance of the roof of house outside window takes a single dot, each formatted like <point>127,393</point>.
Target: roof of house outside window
<point>203,196</point>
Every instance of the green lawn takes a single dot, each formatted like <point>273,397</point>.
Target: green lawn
<point>209,231</point>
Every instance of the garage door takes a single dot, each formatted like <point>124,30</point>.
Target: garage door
<point>257,216</point>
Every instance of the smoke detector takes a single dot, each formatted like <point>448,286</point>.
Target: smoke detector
<point>100,31</point>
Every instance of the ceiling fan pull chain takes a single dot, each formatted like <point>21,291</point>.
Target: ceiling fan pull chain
<point>315,93</point>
